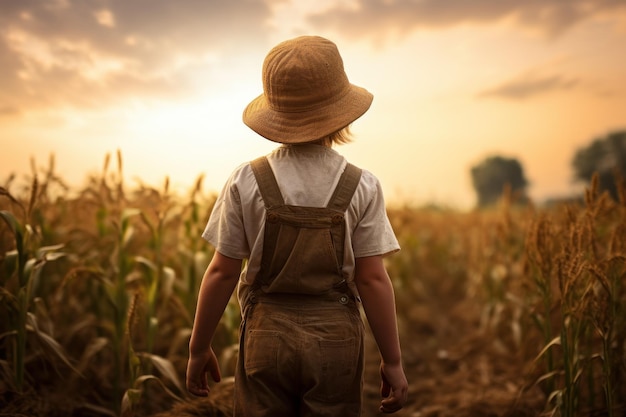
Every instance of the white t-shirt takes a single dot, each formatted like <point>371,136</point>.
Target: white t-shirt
<point>307,175</point>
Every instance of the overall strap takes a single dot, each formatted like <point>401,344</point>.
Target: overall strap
<point>267,182</point>
<point>345,189</point>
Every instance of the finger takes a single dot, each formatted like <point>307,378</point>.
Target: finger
<point>215,373</point>
<point>197,389</point>
<point>213,368</point>
<point>387,409</point>
<point>197,383</point>
<point>385,387</point>
<point>395,401</point>
<point>390,404</point>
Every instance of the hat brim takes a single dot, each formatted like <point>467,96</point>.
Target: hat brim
<point>309,125</point>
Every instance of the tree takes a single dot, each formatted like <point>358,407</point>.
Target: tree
<point>605,156</point>
<point>491,177</point>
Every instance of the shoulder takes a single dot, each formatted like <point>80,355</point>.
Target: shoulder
<point>369,180</point>
<point>241,172</point>
<point>368,196</point>
<point>241,177</point>
<point>369,187</point>
<point>239,184</point>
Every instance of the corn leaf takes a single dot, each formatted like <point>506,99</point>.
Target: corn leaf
<point>131,396</point>
<point>554,342</point>
<point>18,233</point>
<point>166,368</point>
<point>49,343</point>
<point>142,379</point>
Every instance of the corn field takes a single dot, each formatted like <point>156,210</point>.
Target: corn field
<point>511,311</point>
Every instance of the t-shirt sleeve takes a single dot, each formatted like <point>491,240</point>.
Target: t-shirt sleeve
<point>373,234</point>
<point>225,228</point>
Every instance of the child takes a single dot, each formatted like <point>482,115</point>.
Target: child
<point>314,231</point>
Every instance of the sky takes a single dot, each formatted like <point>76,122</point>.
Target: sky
<point>454,82</point>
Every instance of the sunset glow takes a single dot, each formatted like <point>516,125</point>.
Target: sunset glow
<point>453,82</point>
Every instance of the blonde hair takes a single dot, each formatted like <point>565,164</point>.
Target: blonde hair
<point>340,137</point>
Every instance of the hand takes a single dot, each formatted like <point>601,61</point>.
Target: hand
<point>394,388</point>
<point>197,368</point>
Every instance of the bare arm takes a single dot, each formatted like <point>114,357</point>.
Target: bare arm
<point>378,300</point>
<point>217,286</point>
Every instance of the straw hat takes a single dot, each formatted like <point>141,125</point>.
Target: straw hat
<point>306,93</point>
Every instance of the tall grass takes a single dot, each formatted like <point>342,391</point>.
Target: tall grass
<point>26,260</point>
<point>99,286</point>
<point>548,283</point>
<point>577,264</point>
<point>114,312</point>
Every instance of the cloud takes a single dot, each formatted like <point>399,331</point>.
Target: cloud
<point>380,18</point>
<point>77,53</point>
<point>8,111</point>
<point>56,53</point>
<point>530,85</point>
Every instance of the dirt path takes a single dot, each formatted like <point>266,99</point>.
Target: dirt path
<point>454,369</point>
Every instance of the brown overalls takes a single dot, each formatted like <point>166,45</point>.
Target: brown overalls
<point>301,345</point>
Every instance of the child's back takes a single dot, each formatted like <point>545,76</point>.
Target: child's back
<point>314,230</point>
